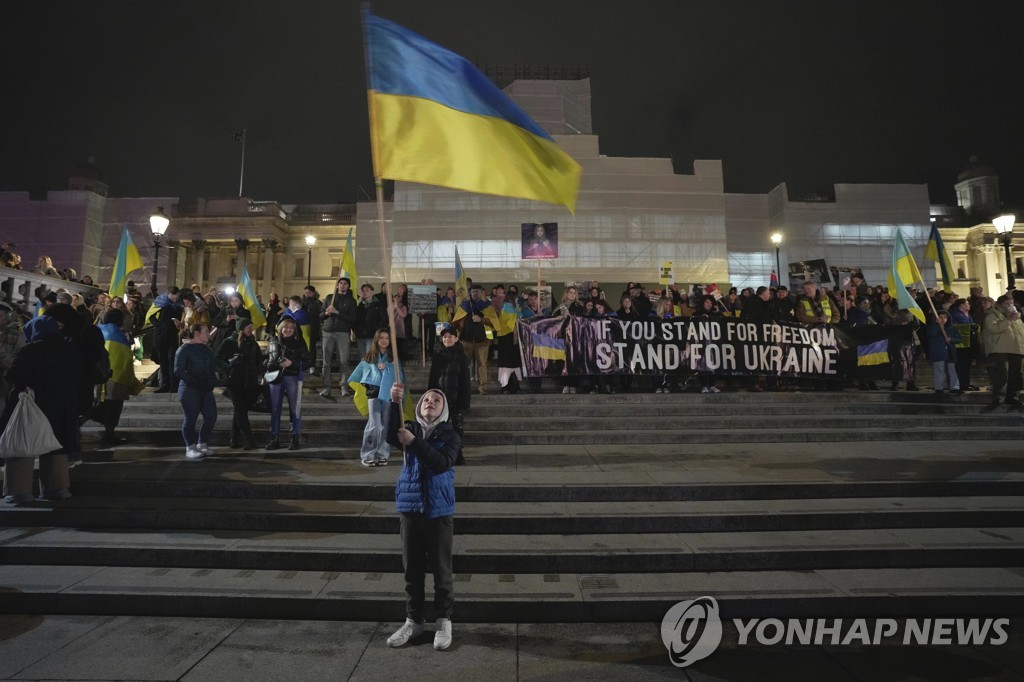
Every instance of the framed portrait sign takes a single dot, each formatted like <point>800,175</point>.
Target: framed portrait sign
<point>540,241</point>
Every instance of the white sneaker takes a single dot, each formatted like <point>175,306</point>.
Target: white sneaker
<point>192,452</point>
<point>205,449</point>
<point>705,390</point>
<point>572,389</point>
<point>409,630</point>
<point>443,636</point>
<point>713,390</point>
<point>565,390</point>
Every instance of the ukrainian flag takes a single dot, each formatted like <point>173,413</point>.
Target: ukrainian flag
<point>870,354</point>
<point>127,260</point>
<point>348,263</point>
<point>435,119</point>
<point>461,288</point>
<point>547,347</point>
<point>936,251</point>
<point>246,290</point>
<point>904,271</point>
<point>122,362</point>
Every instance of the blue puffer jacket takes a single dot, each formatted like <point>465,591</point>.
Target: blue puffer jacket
<point>426,483</point>
<point>938,349</point>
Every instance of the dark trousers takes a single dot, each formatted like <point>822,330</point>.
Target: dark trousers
<point>427,544</point>
<point>1004,370</point>
<point>964,360</point>
<point>193,404</point>
<point>241,399</point>
<point>111,415</point>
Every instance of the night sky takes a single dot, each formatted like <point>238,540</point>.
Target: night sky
<point>810,93</point>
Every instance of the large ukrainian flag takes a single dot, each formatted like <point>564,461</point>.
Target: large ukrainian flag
<point>435,119</point>
<point>904,271</point>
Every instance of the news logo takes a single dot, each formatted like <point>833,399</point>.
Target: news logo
<point>691,630</point>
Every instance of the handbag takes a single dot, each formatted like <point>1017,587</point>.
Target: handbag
<point>261,400</point>
<point>272,377</point>
<point>28,433</point>
<point>372,391</point>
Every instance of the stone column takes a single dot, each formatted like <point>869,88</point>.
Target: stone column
<point>173,257</point>
<point>269,247</point>
<point>198,255</point>
<point>279,271</point>
<point>243,253</point>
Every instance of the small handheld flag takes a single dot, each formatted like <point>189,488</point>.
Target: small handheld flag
<point>127,260</point>
<point>461,286</point>
<point>773,282</point>
<point>904,271</point>
<point>936,251</point>
<point>348,262</point>
<point>246,290</point>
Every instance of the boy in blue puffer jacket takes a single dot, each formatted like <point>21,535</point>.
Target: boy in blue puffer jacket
<point>425,497</point>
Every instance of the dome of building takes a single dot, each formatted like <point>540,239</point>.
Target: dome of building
<point>976,169</point>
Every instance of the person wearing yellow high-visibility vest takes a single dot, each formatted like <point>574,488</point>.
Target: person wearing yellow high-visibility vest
<point>814,308</point>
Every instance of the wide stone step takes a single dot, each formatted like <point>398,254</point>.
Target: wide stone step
<point>818,431</point>
<point>498,518</point>
<point>575,553</point>
<point>511,597</point>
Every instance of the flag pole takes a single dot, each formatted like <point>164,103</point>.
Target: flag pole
<point>379,181</point>
<point>241,174</point>
<point>386,254</point>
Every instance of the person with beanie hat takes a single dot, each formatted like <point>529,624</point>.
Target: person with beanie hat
<point>449,373</point>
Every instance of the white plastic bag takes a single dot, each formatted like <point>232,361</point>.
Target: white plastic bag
<point>28,433</point>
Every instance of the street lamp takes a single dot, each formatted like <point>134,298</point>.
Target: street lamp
<point>310,242</point>
<point>777,240</point>
<point>1004,227</point>
<point>158,223</point>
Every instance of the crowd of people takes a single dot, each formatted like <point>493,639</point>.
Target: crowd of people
<point>204,340</point>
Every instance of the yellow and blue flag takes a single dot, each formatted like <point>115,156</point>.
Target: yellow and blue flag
<point>876,353</point>
<point>348,263</point>
<point>435,119</point>
<point>122,362</point>
<point>461,288</point>
<point>246,290</point>
<point>904,271</point>
<point>936,251</point>
<point>127,260</point>
<point>547,347</point>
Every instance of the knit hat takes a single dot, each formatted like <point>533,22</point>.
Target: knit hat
<point>241,323</point>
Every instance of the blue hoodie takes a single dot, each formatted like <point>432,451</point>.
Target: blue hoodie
<point>39,328</point>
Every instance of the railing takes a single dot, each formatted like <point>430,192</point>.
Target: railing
<point>18,287</point>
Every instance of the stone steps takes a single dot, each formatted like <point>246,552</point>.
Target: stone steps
<point>509,597</point>
<point>616,551</point>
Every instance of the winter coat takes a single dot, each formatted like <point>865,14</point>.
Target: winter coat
<point>938,349</point>
<point>291,348</point>
<point>194,366</point>
<point>449,373</point>
<point>345,318</point>
<point>244,362</point>
<point>426,483</point>
<point>369,318</point>
<point>1002,335</point>
<point>51,367</point>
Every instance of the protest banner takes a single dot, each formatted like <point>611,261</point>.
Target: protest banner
<point>567,346</point>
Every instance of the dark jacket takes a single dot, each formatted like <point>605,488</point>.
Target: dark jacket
<point>165,333</point>
<point>345,318</point>
<point>758,311</point>
<point>244,362</point>
<point>51,367</point>
<point>194,366</point>
<point>426,483</point>
<point>449,373</point>
<point>292,348</point>
<point>369,318</point>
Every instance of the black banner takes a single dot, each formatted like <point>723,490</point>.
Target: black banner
<point>564,346</point>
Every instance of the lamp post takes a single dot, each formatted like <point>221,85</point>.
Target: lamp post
<point>158,223</point>
<point>310,242</point>
<point>777,240</point>
<point>1004,227</point>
